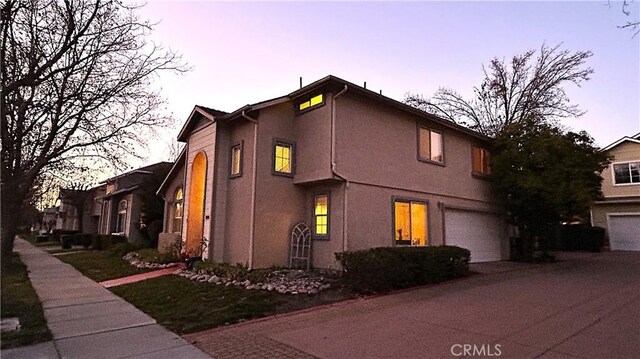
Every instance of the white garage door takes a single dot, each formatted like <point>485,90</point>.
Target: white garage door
<point>624,232</point>
<point>480,233</point>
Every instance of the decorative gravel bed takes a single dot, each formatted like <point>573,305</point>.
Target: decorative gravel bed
<point>134,259</point>
<point>281,281</point>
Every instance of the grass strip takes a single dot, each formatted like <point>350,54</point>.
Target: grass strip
<point>20,300</point>
<point>101,265</point>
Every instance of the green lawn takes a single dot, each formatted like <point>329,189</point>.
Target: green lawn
<point>20,300</point>
<point>101,265</point>
<point>185,306</point>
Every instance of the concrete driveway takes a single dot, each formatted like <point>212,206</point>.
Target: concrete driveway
<point>586,307</point>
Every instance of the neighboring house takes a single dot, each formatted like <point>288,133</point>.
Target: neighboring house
<point>78,210</point>
<point>49,219</point>
<point>361,169</point>
<point>619,211</point>
<point>121,205</point>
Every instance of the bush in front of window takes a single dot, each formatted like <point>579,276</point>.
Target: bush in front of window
<point>386,268</point>
<point>105,241</point>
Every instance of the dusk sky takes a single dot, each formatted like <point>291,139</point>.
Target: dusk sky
<point>252,51</point>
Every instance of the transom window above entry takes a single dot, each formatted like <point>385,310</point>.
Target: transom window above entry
<point>311,102</point>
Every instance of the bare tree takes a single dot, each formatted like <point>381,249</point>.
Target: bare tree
<point>76,89</point>
<point>526,87</point>
<point>631,25</point>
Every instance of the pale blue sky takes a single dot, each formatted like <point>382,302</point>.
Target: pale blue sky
<point>248,52</point>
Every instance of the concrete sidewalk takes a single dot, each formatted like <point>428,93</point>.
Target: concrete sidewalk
<point>88,321</point>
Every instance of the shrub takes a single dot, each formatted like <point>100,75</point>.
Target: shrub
<point>57,233</point>
<point>120,249</point>
<point>82,239</point>
<point>152,255</point>
<point>106,241</point>
<point>581,237</point>
<point>237,272</point>
<point>66,240</point>
<point>386,268</point>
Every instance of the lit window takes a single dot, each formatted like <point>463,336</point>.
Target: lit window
<point>430,146</point>
<point>481,163</point>
<point>283,158</point>
<point>236,161</point>
<point>626,173</point>
<point>410,219</point>
<point>321,215</point>
<point>178,209</point>
<point>122,216</point>
<point>315,100</point>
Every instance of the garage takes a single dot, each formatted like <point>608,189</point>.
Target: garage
<point>481,233</point>
<point>624,231</point>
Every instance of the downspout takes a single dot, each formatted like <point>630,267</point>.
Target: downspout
<point>253,187</point>
<point>335,172</point>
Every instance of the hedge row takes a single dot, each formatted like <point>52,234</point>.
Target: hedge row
<point>387,268</point>
<point>581,237</point>
<point>95,241</point>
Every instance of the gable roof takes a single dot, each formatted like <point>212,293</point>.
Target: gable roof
<point>634,139</point>
<point>179,162</point>
<point>329,82</point>
<point>197,113</point>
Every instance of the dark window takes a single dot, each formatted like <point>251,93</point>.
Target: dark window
<point>626,173</point>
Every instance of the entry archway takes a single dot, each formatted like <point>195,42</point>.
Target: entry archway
<point>195,216</point>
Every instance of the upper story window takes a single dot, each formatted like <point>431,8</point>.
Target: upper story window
<point>430,145</point>
<point>481,161</point>
<point>236,161</point>
<point>321,216</point>
<point>311,102</point>
<point>178,209</point>
<point>283,159</point>
<point>626,173</point>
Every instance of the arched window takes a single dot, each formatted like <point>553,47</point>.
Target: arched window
<point>178,210</point>
<point>122,216</point>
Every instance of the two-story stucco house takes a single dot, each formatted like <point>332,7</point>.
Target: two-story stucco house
<point>619,211</point>
<point>361,169</point>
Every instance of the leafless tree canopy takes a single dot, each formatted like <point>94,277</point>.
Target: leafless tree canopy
<point>76,89</point>
<point>509,92</point>
<point>632,25</point>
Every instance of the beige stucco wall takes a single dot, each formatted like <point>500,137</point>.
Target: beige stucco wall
<point>202,140</point>
<point>625,152</point>
<point>238,194</point>
<point>370,214</point>
<point>312,131</point>
<point>599,212</point>
<point>378,145</point>
<point>279,203</point>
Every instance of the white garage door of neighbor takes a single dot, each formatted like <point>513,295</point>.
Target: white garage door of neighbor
<point>624,232</point>
<point>480,233</point>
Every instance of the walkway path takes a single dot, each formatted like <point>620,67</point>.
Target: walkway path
<point>88,321</point>
<point>587,307</point>
<point>142,276</point>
